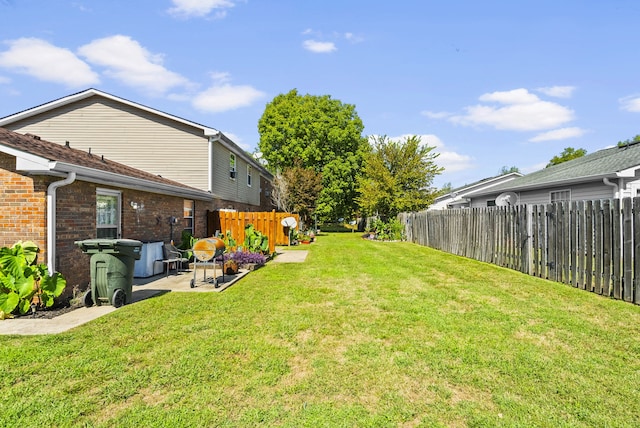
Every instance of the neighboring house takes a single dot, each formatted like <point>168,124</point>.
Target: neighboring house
<point>457,198</point>
<point>611,173</point>
<point>55,195</point>
<point>153,141</point>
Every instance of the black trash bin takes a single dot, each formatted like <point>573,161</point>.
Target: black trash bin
<point>112,264</point>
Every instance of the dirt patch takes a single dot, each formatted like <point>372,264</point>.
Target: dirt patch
<point>58,308</point>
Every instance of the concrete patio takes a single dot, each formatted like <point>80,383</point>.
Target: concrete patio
<point>143,288</point>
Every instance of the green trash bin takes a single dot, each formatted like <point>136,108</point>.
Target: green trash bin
<point>112,263</point>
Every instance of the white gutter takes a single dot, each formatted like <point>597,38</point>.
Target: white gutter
<point>616,188</point>
<point>51,219</point>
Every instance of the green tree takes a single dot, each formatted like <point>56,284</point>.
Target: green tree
<point>629,141</point>
<point>322,134</point>
<point>507,170</point>
<point>567,154</point>
<point>302,188</point>
<point>397,177</point>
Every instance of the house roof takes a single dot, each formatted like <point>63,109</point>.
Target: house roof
<point>40,157</point>
<point>614,162</point>
<point>478,185</point>
<point>207,131</point>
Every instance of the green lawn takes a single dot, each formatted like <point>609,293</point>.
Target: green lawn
<point>362,334</point>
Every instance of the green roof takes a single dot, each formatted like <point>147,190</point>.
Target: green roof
<point>611,162</point>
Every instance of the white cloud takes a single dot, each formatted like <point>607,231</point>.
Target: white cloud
<point>200,8</point>
<point>436,115</point>
<point>130,63</point>
<point>222,96</point>
<point>236,139</point>
<point>44,61</point>
<point>631,104</point>
<point>353,38</point>
<point>558,91</point>
<point>520,110</point>
<point>4,80</point>
<point>515,96</point>
<point>558,134</point>
<point>319,47</point>
<point>450,160</point>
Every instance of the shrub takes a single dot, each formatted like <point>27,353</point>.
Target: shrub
<point>24,283</point>
<point>389,231</point>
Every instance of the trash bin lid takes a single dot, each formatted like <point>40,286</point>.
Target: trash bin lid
<point>107,244</point>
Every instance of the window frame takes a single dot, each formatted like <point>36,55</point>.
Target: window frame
<point>233,166</point>
<point>560,192</point>
<point>249,176</point>
<point>110,193</point>
<point>189,220</point>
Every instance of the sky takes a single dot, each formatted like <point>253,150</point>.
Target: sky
<point>488,84</point>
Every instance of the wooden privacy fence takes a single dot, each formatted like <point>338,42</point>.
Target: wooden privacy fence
<point>268,223</point>
<point>591,245</point>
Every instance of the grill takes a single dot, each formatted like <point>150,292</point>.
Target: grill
<point>205,253</point>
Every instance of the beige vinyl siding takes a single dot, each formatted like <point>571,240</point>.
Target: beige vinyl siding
<point>233,189</point>
<point>127,135</point>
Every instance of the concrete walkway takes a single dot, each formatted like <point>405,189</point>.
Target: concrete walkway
<point>143,288</point>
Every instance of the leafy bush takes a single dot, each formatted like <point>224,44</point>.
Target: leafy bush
<point>389,231</point>
<point>255,241</point>
<point>24,283</point>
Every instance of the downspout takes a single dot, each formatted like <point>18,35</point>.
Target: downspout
<point>616,193</point>
<point>51,219</point>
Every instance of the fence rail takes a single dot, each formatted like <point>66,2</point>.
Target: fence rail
<point>268,223</point>
<point>589,245</point>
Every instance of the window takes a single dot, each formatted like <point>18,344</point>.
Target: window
<point>249,175</point>
<point>107,214</point>
<point>188,216</point>
<point>560,196</point>
<point>232,166</point>
<point>491,203</point>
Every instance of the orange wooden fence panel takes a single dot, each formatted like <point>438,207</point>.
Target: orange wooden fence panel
<point>268,223</point>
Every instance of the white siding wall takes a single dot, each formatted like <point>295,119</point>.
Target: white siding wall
<point>234,189</point>
<point>580,192</point>
<point>126,135</point>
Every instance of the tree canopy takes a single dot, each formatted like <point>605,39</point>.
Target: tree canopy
<point>397,177</point>
<point>507,170</point>
<point>319,133</point>
<point>296,190</point>
<point>567,154</point>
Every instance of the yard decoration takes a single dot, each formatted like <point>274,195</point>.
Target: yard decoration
<point>24,284</point>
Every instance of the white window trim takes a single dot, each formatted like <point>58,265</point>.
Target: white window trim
<point>118,195</point>
<point>233,171</point>
<point>249,176</point>
<point>559,191</point>
<point>192,216</point>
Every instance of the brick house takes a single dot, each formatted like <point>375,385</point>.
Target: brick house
<point>55,195</point>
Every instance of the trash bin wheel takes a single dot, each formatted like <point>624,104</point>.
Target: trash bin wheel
<point>192,283</point>
<point>119,298</point>
<point>87,299</point>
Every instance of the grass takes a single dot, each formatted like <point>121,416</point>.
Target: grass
<point>362,334</point>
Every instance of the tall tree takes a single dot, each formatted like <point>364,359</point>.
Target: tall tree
<point>397,177</point>
<point>321,133</point>
<point>297,190</point>
<point>567,154</point>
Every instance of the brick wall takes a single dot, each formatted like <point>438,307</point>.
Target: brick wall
<point>23,216</point>
<point>23,213</point>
